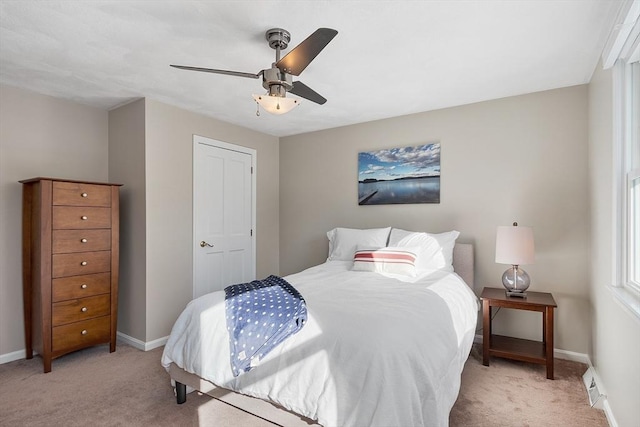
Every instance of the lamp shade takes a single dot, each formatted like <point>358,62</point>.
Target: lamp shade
<point>514,245</point>
<point>276,104</point>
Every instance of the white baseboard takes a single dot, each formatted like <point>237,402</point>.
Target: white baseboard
<point>141,345</point>
<point>609,413</point>
<point>14,355</point>
<point>477,339</point>
<point>572,356</point>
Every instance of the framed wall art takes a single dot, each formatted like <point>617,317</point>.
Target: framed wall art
<point>399,175</point>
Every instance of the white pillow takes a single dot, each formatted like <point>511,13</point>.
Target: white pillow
<point>386,260</point>
<point>344,241</point>
<point>436,250</point>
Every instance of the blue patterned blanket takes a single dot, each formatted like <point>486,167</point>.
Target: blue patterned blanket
<point>260,315</point>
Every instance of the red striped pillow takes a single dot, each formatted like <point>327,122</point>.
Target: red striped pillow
<point>391,260</point>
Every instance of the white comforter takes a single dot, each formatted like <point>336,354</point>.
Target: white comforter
<point>376,350</point>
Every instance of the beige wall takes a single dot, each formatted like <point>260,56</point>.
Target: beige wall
<point>615,332</point>
<point>162,191</point>
<point>169,157</point>
<point>127,166</point>
<point>39,136</point>
<point>515,159</point>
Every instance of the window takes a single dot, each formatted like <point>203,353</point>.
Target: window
<point>634,229</point>
<point>629,175</point>
<point>624,51</point>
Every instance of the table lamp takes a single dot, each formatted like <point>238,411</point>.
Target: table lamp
<point>514,245</point>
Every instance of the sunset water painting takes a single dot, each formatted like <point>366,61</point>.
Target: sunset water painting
<point>399,175</point>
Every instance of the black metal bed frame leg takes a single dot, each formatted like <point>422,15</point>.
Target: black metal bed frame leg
<point>181,393</point>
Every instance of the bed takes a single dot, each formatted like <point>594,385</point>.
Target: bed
<point>380,347</point>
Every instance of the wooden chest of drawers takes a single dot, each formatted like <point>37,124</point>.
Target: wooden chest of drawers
<point>70,259</point>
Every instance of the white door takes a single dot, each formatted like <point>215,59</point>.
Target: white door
<point>223,215</point>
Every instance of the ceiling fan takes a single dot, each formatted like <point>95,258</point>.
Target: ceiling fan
<point>277,79</point>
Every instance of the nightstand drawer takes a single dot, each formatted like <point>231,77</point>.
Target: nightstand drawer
<point>80,309</point>
<point>81,263</point>
<point>66,288</point>
<point>80,334</point>
<point>80,194</point>
<point>66,241</point>
<point>72,218</point>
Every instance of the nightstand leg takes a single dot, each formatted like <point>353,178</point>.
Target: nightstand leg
<point>486,331</point>
<point>548,340</point>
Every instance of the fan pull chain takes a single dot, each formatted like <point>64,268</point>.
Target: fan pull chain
<point>257,109</point>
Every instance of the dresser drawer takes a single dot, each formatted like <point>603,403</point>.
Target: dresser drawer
<point>80,263</point>
<point>80,309</point>
<point>66,241</point>
<point>66,288</point>
<point>79,194</point>
<point>82,334</point>
<point>65,217</point>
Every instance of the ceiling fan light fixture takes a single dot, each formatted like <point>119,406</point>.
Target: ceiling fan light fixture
<point>276,104</point>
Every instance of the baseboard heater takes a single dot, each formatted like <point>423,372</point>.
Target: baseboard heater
<point>596,398</point>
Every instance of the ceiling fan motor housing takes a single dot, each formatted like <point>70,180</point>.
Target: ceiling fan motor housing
<point>276,82</point>
<point>278,38</point>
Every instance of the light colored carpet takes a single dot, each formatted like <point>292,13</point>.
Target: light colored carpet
<point>130,388</point>
<point>512,393</point>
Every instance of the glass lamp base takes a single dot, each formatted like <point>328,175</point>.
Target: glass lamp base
<point>516,280</point>
<point>522,295</point>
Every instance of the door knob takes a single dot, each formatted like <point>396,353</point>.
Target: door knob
<point>203,244</point>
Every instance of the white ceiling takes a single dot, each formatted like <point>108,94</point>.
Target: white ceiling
<point>390,58</point>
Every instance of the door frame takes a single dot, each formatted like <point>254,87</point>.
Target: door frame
<point>197,139</point>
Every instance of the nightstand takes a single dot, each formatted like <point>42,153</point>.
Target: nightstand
<point>517,348</point>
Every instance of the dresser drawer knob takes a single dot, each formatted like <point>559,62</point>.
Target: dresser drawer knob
<point>83,263</point>
<point>83,240</point>
<point>83,286</point>
<point>84,218</point>
<point>84,194</point>
<point>83,309</point>
<point>84,332</point>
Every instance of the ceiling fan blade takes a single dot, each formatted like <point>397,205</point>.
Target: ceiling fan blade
<point>211,70</point>
<point>306,92</point>
<point>297,59</point>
